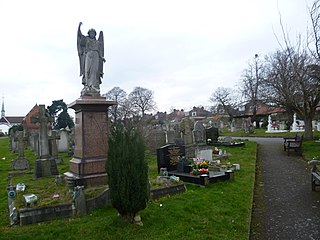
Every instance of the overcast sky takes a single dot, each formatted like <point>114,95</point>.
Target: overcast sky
<point>181,50</point>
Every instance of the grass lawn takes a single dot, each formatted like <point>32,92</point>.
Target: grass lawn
<point>219,211</point>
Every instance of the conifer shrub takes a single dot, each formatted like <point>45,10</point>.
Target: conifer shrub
<point>127,171</point>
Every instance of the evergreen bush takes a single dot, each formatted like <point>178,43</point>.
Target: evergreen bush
<point>127,171</point>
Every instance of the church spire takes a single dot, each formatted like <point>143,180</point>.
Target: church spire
<point>2,109</point>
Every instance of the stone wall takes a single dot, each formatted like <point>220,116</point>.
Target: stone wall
<point>49,213</point>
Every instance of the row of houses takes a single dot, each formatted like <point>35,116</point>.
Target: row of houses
<point>224,114</point>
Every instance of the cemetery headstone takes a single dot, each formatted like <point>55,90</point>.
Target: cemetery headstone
<point>63,142</point>
<point>34,142</point>
<point>170,137</point>
<point>205,154</point>
<point>168,156</point>
<point>186,128</point>
<point>45,165</point>
<point>199,134</point>
<point>53,146</point>
<point>212,135</point>
<point>21,162</point>
<point>79,201</point>
<point>13,143</point>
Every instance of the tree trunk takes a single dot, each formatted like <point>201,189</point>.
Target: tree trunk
<point>308,134</point>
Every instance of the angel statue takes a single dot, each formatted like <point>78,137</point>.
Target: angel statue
<point>91,57</point>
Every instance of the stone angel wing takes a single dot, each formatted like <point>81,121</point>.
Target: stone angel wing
<point>81,50</point>
<point>101,54</point>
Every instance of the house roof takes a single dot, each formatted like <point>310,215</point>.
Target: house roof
<point>11,120</point>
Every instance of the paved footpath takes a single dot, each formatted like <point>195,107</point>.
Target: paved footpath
<point>291,209</point>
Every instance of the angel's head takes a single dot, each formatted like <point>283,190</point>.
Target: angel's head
<point>92,33</point>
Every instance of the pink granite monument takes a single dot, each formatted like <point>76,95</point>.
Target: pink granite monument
<point>88,167</point>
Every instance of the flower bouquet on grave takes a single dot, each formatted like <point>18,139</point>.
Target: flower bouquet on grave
<point>199,166</point>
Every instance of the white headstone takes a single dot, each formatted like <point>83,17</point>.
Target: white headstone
<point>205,154</point>
<point>63,142</point>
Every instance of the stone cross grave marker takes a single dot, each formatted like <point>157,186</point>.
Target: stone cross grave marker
<point>44,166</point>
<point>186,131</point>
<point>13,143</point>
<point>21,162</point>
<point>53,148</point>
<point>43,120</point>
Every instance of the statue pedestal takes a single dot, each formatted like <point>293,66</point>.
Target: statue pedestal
<point>88,167</point>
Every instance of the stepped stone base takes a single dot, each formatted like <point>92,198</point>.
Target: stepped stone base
<point>45,167</point>
<point>73,180</point>
<point>20,164</point>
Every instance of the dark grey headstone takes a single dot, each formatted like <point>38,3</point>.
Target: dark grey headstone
<point>212,133</point>
<point>167,156</point>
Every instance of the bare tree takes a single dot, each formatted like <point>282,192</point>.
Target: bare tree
<point>278,88</point>
<point>251,83</point>
<point>314,35</point>
<point>120,96</point>
<point>142,100</point>
<point>293,74</point>
<point>225,98</point>
<point>127,111</point>
<point>293,83</point>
